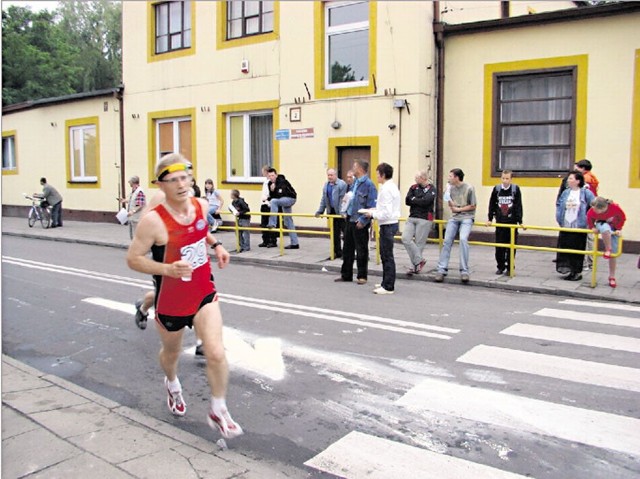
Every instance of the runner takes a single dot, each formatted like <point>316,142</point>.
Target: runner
<point>175,232</point>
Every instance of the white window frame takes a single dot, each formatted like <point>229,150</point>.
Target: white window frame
<point>176,134</point>
<point>11,141</point>
<point>75,175</point>
<point>246,138</point>
<point>346,28</point>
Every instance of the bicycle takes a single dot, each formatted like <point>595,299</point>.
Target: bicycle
<point>38,212</point>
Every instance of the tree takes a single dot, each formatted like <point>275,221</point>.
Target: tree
<point>342,73</point>
<point>75,48</point>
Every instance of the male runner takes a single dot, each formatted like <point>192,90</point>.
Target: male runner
<point>176,233</point>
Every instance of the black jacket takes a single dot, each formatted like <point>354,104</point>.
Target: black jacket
<point>283,189</point>
<point>506,205</point>
<point>243,208</point>
<point>421,201</point>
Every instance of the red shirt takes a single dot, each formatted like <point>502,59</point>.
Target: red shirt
<point>188,242</point>
<point>614,216</point>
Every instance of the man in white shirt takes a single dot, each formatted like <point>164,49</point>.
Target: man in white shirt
<point>387,212</point>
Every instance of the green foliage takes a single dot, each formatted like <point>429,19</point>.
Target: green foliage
<point>73,49</point>
<point>342,73</point>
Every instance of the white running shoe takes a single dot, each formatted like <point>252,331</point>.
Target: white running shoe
<point>175,401</point>
<point>225,424</point>
<point>381,290</point>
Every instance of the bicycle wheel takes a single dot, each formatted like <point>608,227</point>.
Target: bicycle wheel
<point>32,217</point>
<point>45,217</point>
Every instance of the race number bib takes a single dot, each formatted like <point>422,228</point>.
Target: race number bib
<point>195,254</point>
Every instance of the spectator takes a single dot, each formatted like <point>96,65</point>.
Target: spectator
<point>356,233</point>
<point>195,189</point>
<point>135,204</point>
<point>462,202</point>
<point>607,218</point>
<point>333,193</point>
<point>241,210</point>
<point>571,212</point>
<point>387,212</point>
<point>216,202</point>
<point>591,182</point>
<point>505,205</point>
<point>348,195</point>
<point>54,199</point>
<point>282,195</point>
<point>269,238</point>
<point>420,199</point>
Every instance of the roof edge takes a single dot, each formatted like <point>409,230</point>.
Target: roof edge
<point>27,105</point>
<point>557,16</point>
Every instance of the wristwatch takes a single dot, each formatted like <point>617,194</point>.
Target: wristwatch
<point>216,244</point>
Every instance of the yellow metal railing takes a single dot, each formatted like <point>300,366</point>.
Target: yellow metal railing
<point>512,245</point>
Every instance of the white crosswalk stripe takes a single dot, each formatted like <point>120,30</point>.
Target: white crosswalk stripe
<point>587,325</point>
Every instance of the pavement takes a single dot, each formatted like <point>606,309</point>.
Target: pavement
<point>87,435</point>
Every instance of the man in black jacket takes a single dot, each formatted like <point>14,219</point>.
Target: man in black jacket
<point>282,195</point>
<point>420,199</point>
<point>505,206</point>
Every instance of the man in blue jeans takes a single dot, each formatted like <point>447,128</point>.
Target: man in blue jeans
<point>282,195</point>
<point>461,199</point>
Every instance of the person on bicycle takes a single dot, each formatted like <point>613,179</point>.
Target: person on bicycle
<point>51,197</point>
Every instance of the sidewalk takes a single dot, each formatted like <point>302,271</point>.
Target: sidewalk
<point>52,428</point>
<point>535,271</point>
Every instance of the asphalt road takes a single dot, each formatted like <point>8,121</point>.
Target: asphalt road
<point>326,373</point>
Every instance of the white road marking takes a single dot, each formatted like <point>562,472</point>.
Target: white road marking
<point>573,336</point>
<point>568,369</point>
<point>589,317</point>
<point>359,455</point>
<point>594,428</point>
<point>597,304</point>
<point>376,322</point>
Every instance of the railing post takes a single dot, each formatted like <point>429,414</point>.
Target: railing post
<point>281,233</point>
<point>512,250</point>
<point>594,260</point>
<point>332,252</point>
<point>235,218</point>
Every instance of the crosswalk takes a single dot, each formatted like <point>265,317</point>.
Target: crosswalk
<point>606,332</point>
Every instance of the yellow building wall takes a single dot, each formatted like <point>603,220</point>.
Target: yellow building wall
<point>610,45</point>
<point>278,70</point>
<point>40,143</point>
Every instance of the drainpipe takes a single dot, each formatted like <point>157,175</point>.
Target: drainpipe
<point>438,31</point>
<point>122,192</point>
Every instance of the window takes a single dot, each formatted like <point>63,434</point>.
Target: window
<point>249,145</point>
<point>173,26</point>
<point>83,153</point>
<point>173,135</point>
<point>8,153</point>
<point>534,122</point>
<point>246,18</point>
<point>346,44</point>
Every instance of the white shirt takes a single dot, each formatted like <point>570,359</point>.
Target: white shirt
<point>387,210</point>
<point>265,192</point>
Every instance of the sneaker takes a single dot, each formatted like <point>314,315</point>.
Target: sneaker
<point>199,350</point>
<point>225,424</point>
<point>439,278</point>
<point>175,401</point>
<point>464,277</point>
<point>381,290</point>
<point>361,281</point>
<point>141,318</point>
<point>419,266</point>
<point>499,271</point>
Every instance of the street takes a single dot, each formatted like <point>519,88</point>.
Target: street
<point>339,382</point>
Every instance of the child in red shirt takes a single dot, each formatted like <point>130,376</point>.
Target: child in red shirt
<point>607,218</point>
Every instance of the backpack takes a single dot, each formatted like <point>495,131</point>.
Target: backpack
<point>513,189</point>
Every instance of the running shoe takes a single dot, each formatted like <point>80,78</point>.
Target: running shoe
<point>141,318</point>
<point>175,401</point>
<point>225,424</point>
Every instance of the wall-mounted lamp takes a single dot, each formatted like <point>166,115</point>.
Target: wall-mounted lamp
<point>135,116</point>
<point>336,125</point>
<point>205,108</point>
<point>392,126</point>
<point>54,124</point>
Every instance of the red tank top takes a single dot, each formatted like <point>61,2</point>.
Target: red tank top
<point>188,242</point>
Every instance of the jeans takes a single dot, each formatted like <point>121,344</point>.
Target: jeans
<point>56,214</point>
<point>356,243</point>
<point>414,238</point>
<point>213,216</point>
<point>245,242</point>
<point>453,226</point>
<point>606,228</point>
<point>503,255</point>
<point>387,232</point>
<point>285,203</point>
